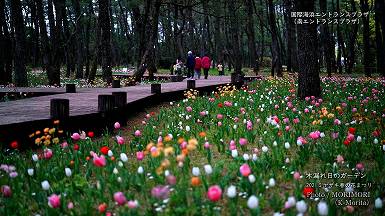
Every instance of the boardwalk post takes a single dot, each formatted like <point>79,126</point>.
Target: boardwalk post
<point>190,84</point>
<point>120,99</point>
<point>156,88</point>
<point>116,83</point>
<point>70,88</point>
<point>60,109</point>
<point>106,103</point>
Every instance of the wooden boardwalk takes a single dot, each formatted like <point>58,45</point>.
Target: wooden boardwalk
<point>84,102</point>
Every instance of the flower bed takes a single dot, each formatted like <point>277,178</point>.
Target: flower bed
<point>259,150</point>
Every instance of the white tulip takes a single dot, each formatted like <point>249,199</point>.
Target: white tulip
<point>265,149</point>
<point>30,172</point>
<point>208,169</point>
<point>231,191</point>
<point>68,172</point>
<point>375,141</point>
<point>255,157</point>
<point>45,185</point>
<point>234,153</point>
<point>123,157</point>
<point>253,202</point>
<point>166,173</point>
<point>251,178</point>
<point>359,139</point>
<point>188,128</point>
<point>110,153</point>
<point>301,206</point>
<point>119,179</point>
<point>287,145</point>
<point>195,171</point>
<point>115,171</point>
<point>322,208</point>
<point>322,135</point>
<point>140,170</point>
<point>120,164</point>
<point>246,157</point>
<point>271,182</point>
<point>378,203</point>
<point>275,143</point>
<point>35,157</point>
<point>291,201</point>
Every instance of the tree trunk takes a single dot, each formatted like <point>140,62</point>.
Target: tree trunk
<point>19,55</point>
<point>105,25</point>
<point>5,44</point>
<point>351,58</point>
<point>147,61</point>
<point>380,35</point>
<point>327,46</point>
<point>276,67</point>
<point>366,34</point>
<point>234,31</point>
<point>78,39</point>
<point>308,78</point>
<point>90,14</point>
<point>251,36</point>
<point>47,57</point>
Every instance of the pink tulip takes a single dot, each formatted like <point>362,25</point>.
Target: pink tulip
<point>6,191</point>
<point>296,121</point>
<point>120,140</point>
<point>54,201</point>
<point>139,155</point>
<point>188,109</point>
<point>243,110</point>
<point>287,128</point>
<point>120,198</point>
<point>297,175</point>
<point>276,106</point>
<point>207,145</point>
<point>132,204</point>
<point>335,135</point>
<point>315,135</point>
<point>242,141</point>
<point>160,192</point>
<point>337,122</point>
<point>47,153</point>
<point>219,116</point>
<point>211,99</point>
<point>171,180</point>
<point>99,161</point>
<point>70,205</point>
<point>75,136</point>
<point>360,166</point>
<point>117,125</point>
<point>219,124</point>
<point>183,145</point>
<point>214,193</point>
<point>340,159</point>
<point>228,103</point>
<point>245,170</point>
<point>137,133</point>
<point>202,113</point>
<point>236,119</point>
<point>64,145</point>
<point>306,110</point>
<point>249,125</point>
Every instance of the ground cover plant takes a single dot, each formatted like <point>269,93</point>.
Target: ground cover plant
<point>235,152</point>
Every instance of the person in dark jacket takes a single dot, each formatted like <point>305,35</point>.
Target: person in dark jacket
<point>190,64</point>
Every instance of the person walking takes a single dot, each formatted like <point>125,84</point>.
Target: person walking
<point>197,68</point>
<point>206,63</point>
<point>220,69</point>
<point>190,65</point>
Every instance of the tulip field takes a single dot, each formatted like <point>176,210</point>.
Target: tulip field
<point>258,150</point>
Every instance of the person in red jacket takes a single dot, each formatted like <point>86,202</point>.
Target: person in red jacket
<point>206,63</point>
<point>197,68</point>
